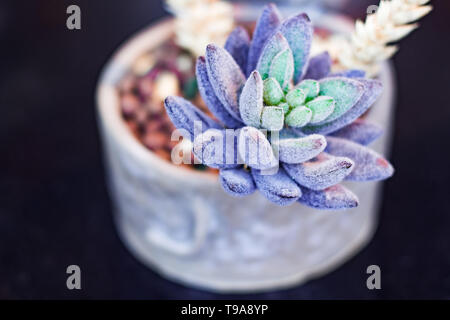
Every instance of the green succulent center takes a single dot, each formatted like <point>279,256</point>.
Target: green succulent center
<point>295,107</point>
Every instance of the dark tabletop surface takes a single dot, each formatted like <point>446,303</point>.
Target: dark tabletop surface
<point>55,209</point>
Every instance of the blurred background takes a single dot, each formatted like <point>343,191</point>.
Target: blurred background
<point>55,209</point>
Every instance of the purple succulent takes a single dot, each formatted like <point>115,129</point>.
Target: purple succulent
<point>285,125</point>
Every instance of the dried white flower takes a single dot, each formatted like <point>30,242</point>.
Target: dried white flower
<point>201,22</point>
<point>166,84</point>
<point>370,42</point>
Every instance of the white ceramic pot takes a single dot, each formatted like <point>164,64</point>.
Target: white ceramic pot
<point>181,223</point>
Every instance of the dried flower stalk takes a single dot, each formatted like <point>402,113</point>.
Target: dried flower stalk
<point>370,42</point>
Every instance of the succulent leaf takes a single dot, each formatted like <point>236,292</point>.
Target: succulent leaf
<point>267,23</point>
<point>333,198</point>
<point>372,90</point>
<point>185,115</point>
<point>320,173</point>
<point>237,182</point>
<point>226,78</point>
<point>297,150</point>
<point>238,44</point>
<point>351,73</point>
<point>321,108</point>
<point>272,118</point>
<point>273,94</point>
<point>277,188</point>
<point>296,98</point>
<point>289,132</point>
<point>310,87</point>
<point>285,107</point>
<point>251,100</point>
<point>298,32</point>
<point>369,165</point>
<point>360,131</point>
<point>255,150</point>
<point>211,149</point>
<point>319,66</point>
<point>345,92</point>
<point>275,45</point>
<point>282,68</point>
<point>299,117</point>
<point>210,98</point>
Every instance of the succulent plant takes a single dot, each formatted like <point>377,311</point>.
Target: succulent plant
<point>282,123</point>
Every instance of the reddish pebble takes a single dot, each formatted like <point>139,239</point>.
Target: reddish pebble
<point>171,144</point>
<point>145,86</point>
<point>155,107</point>
<point>155,140</point>
<point>133,128</point>
<point>130,104</point>
<point>128,84</point>
<point>141,116</point>
<point>153,125</point>
<point>163,154</point>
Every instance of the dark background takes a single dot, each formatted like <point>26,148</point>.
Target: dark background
<point>55,209</point>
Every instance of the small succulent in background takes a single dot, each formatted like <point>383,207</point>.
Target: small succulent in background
<point>200,22</point>
<point>287,112</point>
